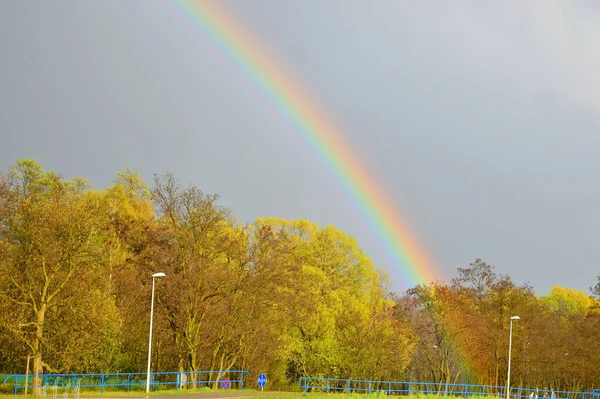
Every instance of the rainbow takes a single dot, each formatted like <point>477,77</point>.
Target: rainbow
<point>325,140</point>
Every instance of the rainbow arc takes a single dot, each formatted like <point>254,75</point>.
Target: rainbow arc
<point>306,120</point>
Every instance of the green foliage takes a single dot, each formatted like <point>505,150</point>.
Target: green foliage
<point>567,301</point>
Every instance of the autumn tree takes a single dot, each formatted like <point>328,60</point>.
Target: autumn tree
<point>52,269</point>
<point>496,298</point>
<point>564,349</point>
<point>131,233</point>
<point>282,296</point>
<point>596,289</point>
<point>435,315</point>
<point>203,253</point>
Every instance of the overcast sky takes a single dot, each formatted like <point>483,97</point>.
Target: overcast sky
<point>481,119</point>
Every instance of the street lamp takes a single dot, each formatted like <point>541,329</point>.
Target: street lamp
<point>154,276</point>
<point>509,353</point>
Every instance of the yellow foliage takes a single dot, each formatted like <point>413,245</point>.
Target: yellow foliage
<point>568,299</point>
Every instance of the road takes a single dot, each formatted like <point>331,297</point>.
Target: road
<point>206,395</point>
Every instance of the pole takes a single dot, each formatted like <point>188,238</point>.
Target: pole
<point>27,374</point>
<point>509,354</point>
<point>150,339</point>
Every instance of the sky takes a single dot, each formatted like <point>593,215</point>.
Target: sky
<point>480,120</point>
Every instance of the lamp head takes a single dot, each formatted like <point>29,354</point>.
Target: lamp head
<point>161,274</point>
<point>515,318</point>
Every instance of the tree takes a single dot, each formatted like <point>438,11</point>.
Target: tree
<point>434,313</point>
<point>340,321</point>
<point>567,301</point>
<point>496,298</point>
<point>51,254</point>
<point>131,233</point>
<point>569,347</point>
<point>596,289</point>
<point>200,259</point>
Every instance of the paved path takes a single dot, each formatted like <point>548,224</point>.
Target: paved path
<point>206,395</point>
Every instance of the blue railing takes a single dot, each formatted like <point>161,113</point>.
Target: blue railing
<point>129,381</point>
<point>344,385</point>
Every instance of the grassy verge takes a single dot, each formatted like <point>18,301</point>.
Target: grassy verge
<point>110,393</point>
<point>319,395</point>
<point>276,395</point>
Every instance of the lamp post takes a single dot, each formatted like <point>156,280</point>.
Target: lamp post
<point>509,354</point>
<point>154,276</point>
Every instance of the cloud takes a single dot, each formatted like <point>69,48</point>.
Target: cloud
<point>543,46</point>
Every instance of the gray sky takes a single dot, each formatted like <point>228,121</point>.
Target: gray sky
<point>481,119</point>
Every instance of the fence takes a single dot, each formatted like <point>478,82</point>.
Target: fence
<point>62,383</point>
<point>408,388</point>
<point>129,381</point>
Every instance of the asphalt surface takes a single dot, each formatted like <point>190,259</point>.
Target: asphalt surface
<point>207,395</point>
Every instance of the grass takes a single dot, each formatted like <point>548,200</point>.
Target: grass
<point>277,395</point>
<point>109,393</point>
<point>322,395</point>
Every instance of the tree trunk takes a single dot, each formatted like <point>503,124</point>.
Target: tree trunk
<point>192,357</point>
<point>37,351</point>
<point>213,359</point>
<point>37,368</point>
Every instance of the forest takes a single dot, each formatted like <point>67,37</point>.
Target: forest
<point>285,297</point>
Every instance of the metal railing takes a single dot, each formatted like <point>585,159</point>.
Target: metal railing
<point>344,385</point>
<point>129,381</point>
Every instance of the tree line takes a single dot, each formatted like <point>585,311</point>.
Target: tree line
<point>283,297</point>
